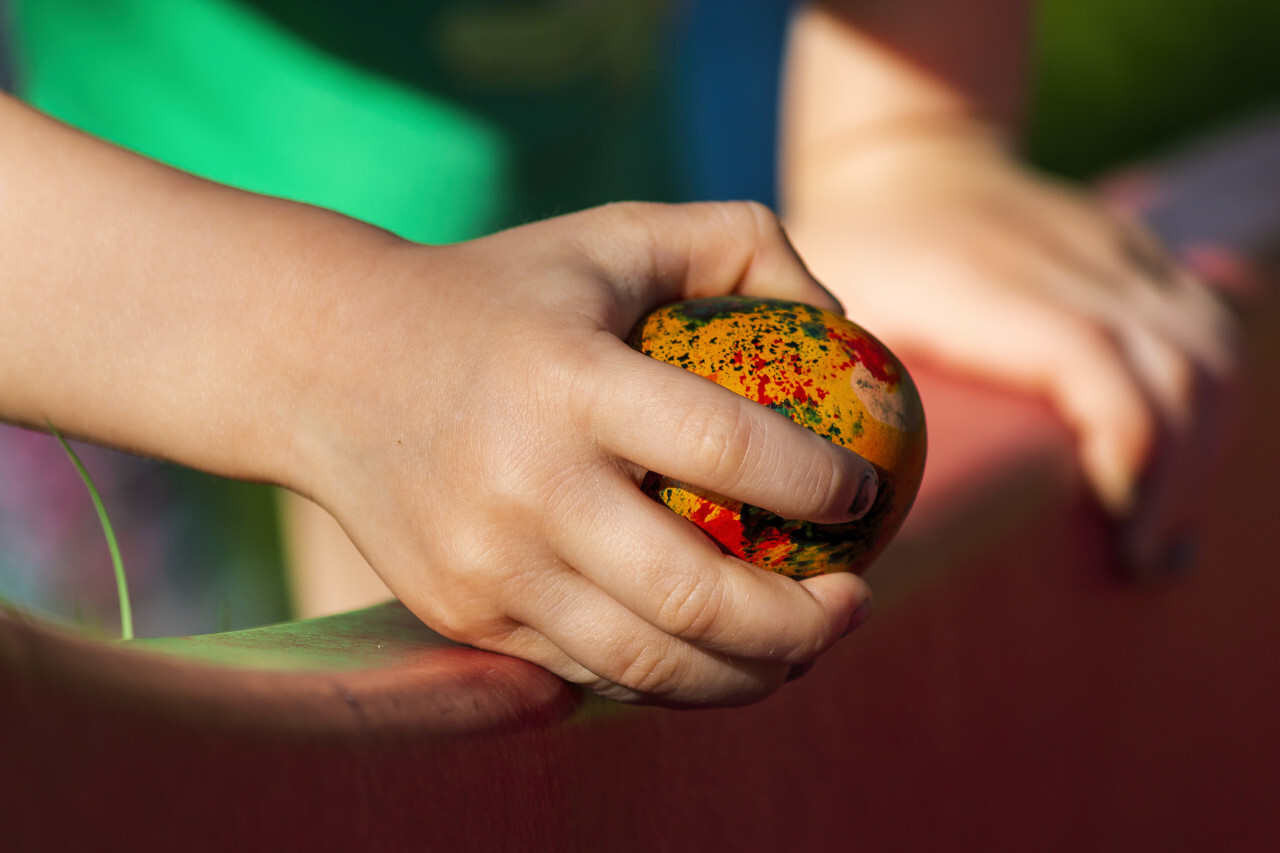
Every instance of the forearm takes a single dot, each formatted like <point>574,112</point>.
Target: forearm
<point>153,311</point>
<point>864,78</point>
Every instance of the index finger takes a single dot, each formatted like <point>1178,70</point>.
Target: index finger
<point>658,253</point>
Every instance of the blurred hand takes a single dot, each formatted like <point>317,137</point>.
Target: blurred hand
<point>480,429</point>
<point>940,244</point>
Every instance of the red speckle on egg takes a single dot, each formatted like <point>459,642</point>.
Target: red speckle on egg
<point>873,358</point>
<point>721,525</point>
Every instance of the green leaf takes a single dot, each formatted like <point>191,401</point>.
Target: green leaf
<point>122,588</point>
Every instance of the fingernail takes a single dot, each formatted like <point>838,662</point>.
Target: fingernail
<point>861,615</point>
<point>866,494</point>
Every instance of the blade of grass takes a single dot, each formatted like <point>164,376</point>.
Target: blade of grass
<point>122,588</point>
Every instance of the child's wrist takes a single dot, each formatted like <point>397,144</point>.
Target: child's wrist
<point>334,370</point>
<point>873,151</point>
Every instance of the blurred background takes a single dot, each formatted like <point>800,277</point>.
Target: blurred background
<point>1116,83</point>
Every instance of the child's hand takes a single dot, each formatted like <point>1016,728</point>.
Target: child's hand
<point>941,245</point>
<point>468,413</point>
<point>480,430</point>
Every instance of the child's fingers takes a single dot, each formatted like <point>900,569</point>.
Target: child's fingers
<point>660,253</point>
<point>591,639</point>
<point>1103,244</point>
<point>1102,400</point>
<point>1166,372</point>
<point>529,644</point>
<point>673,576</point>
<point>1166,509</point>
<point>1116,270</point>
<point>526,643</point>
<point>1197,408</point>
<point>1199,322</point>
<point>1078,366</point>
<point>1129,384</point>
<point>1184,313</point>
<point>1153,322</point>
<point>678,424</point>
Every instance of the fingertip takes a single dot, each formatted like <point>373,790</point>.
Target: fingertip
<point>1111,469</point>
<point>777,269</point>
<point>859,617</point>
<point>846,597</point>
<point>805,287</point>
<point>1103,399</point>
<point>867,491</point>
<point>813,291</point>
<point>828,300</point>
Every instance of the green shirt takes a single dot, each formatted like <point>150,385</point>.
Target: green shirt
<point>439,120</point>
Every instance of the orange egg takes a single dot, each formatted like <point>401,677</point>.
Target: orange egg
<point>825,373</point>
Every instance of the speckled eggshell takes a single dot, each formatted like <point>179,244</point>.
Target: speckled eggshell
<point>825,373</point>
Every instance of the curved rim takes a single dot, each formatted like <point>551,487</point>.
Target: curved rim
<point>374,671</point>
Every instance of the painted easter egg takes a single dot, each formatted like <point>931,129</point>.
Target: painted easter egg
<point>825,373</point>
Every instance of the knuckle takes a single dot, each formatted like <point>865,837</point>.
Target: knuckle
<point>763,218</point>
<point>616,692</point>
<point>693,607</point>
<point>753,220</point>
<point>490,576</point>
<point>649,670</point>
<point>719,438</point>
<point>1092,344</point>
<point>569,494</point>
<point>460,623</point>
<point>631,219</point>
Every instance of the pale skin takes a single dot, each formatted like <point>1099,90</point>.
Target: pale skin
<point>470,417</point>
<point>901,192</point>
<point>468,413</point>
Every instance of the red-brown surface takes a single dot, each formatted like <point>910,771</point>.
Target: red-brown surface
<point>1011,694</point>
